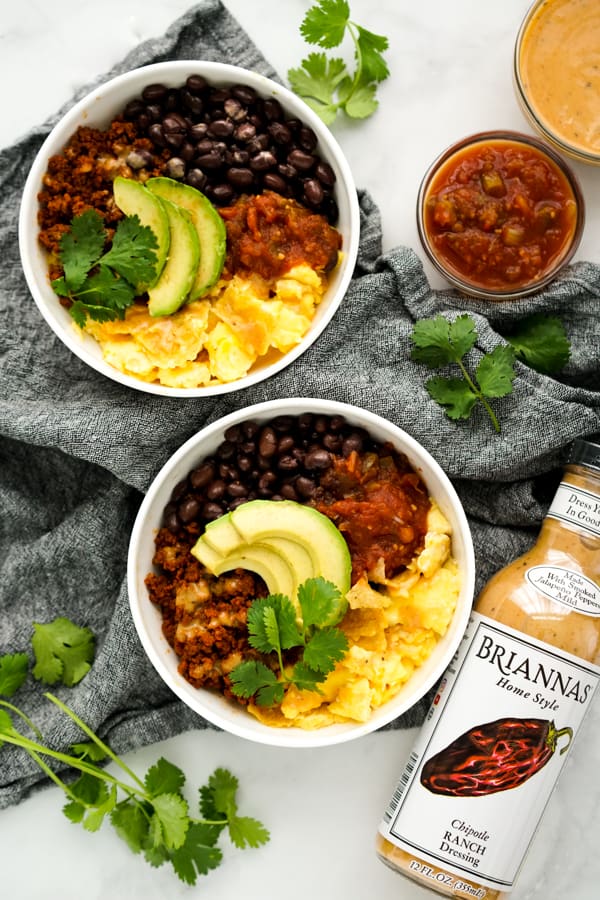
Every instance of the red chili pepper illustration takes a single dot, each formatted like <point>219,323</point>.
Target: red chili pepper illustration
<point>493,757</point>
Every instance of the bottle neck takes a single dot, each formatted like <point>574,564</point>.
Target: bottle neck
<point>573,520</point>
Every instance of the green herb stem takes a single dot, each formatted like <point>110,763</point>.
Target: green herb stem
<point>479,395</point>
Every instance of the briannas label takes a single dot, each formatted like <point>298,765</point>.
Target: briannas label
<point>494,742</point>
<point>565,586</point>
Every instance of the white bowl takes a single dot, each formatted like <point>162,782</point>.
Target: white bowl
<point>96,110</point>
<point>228,715</point>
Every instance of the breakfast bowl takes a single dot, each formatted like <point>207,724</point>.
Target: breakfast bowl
<point>556,75</point>
<point>224,305</point>
<point>301,480</point>
<point>499,214</point>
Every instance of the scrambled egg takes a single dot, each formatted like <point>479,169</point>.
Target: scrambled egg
<point>216,339</point>
<point>392,626</point>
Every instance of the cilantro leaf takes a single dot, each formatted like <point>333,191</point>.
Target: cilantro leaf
<point>270,694</point>
<point>247,832</point>
<point>370,48</point>
<point>439,342</point>
<point>495,372</point>
<point>197,855</point>
<point>249,676</point>
<point>305,678</point>
<point>324,649</point>
<point>132,252</point>
<point>164,778</point>
<point>81,247</point>
<point>321,603</point>
<point>541,342</point>
<point>131,824</point>
<point>63,651</point>
<point>326,84</point>
<point>171,812</point>
<point>13,672</point>
<point>106,289</point>
<point>361,103</point>
<point>325,23</point>
<point>6,726</point>
<point>454,394</point>
<point>88,750</point>
<point>272,624</point>
<point>223,788</point>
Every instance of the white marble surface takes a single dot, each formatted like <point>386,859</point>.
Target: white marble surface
<point>451,76</point>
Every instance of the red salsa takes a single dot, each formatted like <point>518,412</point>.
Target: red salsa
<point>500,214</point>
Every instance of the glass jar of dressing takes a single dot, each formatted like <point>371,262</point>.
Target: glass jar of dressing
<point>498,732</point>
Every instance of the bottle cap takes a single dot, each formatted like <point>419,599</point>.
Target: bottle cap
<point>585,452</point>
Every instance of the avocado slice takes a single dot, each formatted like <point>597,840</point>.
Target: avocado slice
<point>133,199</point>
<point>274,522</point>
<point>271,567</point>
<point>222,536</point>
<point>208,224</point>
<point>172,288</point>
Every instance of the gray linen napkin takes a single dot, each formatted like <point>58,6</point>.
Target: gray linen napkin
<point>78,450</point>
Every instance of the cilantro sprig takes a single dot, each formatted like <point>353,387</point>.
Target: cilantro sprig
<point>102,283</point>
<point>325,83</point>
<point>540,341</point>
<point>151,815</point>
<point>273,627</point>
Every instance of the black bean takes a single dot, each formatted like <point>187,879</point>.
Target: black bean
<point>215,489</point>
<point>202,475</point>
<point>354,441</point>
<point>234,109</point>
<point>313,192</point>
<point>221,128</point>
<point>317,459</point>
<point>198,131</point>
<point>218,96</point>
<point>133,109</point>
<point>305,421</point>
<point>307,138</point>
<point>179,489</point>
<point>212,511</point>
<point>226,451</point>
<point>287,171</point>
<point>332,442</point>
<point>336,423</point>
<point>285,443</point>
<point>267,443</point>
<point>321,424</point>
<point>171,101</point>
<point>245,132</point>
<point>248,446</point>
<point>192,102</point>
<point>258,143</point>
<point>154,93</point>
<point>187,151</point>
<point>288,491</point>
<point>228,472</point>
<point>301,160</point>
<point>154,111</point>
<point>172,522</point>
<point>210,160</point>
<point>196,84</point>
<point>283,423</point>
<point>222,194</point>
<point>196,179</point>
<point>244,464</point>
<point>233,434</point>
<point>272,109</point>
<point>273,182</point>
<point>205,145</point>
<point>262,161</point>
<point>175,168</point>
<point>188,510</point>
<point>305,487</point>
<point>237,489</point>
<point>250,429</point>
<point>237,157</point>
<point>280,133</point>
<point>155,133</point>
<point>244,93</point>
<point>139,159</point>
<point>325,173</point>
<point>240,177</point>
<point>288,463</point>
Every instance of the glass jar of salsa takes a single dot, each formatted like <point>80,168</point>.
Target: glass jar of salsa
<point>499,214</point>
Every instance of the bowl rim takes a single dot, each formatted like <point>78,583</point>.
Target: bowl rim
<point>510,136</point>
<point>137,78</point>
<point>571,150</point>
<point>255,731</point>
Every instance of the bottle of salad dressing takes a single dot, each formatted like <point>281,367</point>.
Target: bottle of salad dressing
<point>501,726</point>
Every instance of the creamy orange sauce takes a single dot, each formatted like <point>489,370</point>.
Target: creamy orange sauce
<point>559,67</point>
